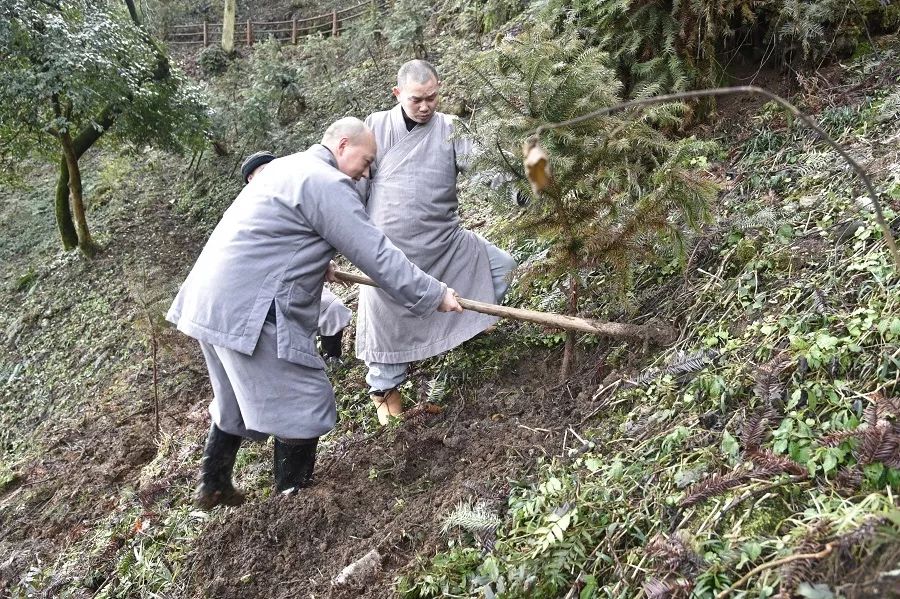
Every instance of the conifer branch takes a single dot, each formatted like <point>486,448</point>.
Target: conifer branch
<point>747,89</point>
<point>490,84</point>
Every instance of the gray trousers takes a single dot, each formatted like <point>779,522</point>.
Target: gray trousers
<point>260,395</point>
<point>382,377</point>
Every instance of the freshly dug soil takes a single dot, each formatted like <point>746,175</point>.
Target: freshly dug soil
<point>390,492</point>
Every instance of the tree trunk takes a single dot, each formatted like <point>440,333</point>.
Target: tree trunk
<point>569,349</point>
<point>132,10</point>
<point>228,19</point>
<point>88,136</point>
<point>85,243</point>
<point>64,223</point>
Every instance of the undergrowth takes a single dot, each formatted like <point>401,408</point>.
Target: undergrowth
<point>767,438</point>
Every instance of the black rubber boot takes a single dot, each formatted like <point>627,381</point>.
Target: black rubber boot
<point>295,460</point>
<point>215,486</point>
<point>331,344</point>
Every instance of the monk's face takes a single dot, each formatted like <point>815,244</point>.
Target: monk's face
<point>354,156</point>
<point>419,100</point>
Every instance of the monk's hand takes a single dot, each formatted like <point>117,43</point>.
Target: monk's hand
<point>449,303</point>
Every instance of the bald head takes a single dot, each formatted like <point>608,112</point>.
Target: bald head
<point>349,127</point>
<point>353,146</point>
<point>416,71</point>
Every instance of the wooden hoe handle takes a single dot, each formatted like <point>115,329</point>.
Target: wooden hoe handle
<point>615,330</point>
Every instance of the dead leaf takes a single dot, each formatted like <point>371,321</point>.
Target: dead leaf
<point>537,165</point>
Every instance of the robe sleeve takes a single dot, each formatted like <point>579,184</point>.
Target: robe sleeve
<point>335,212</point>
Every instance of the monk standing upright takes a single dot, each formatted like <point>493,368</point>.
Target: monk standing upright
<point>411,196</point>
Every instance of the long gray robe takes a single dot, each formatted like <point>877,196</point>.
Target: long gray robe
<point>412,198</point>
<point>274,243</point>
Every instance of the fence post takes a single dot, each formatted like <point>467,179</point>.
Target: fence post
<point>205,35</point>
<point>294,31</point>
<point>249,33</point>
<point>334,23</point>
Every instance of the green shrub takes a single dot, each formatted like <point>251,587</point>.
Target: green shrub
<point>213,60</point>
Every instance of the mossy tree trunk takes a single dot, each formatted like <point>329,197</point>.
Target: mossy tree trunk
<point>64,224</point>
<point>132,10</point>
<point>85,242</point>
<point>88,136</point>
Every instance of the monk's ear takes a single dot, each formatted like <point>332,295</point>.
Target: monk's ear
<point>396,92</point>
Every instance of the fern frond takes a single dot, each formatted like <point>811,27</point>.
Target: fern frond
<point>671,554</point>
<point>437,388</point>
<point>768,387</point>
<point>754,429</point>
<point>820,302</point>
<point>764,219</point>
<point>837,437</point>
<point>682,364</point>
<point>861,534</point>
<point>656,588</point>
<point>872,438</point>
<point>715,484</point>
<point>849,479</point>
<point>768,464</point>
<point>799,571</point>
<point>474,518</point>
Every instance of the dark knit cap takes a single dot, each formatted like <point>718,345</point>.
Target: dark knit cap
<point>253,162</point>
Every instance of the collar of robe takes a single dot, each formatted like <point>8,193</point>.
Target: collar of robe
<point>409,122</point>
<point>324,153</point>
<point>398,124</point>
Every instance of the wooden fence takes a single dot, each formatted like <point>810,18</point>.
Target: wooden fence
<point>247,32</point>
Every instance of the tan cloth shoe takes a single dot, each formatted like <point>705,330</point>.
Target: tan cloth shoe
<point>388,406</point>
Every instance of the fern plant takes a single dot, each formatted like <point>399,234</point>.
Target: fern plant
<point>622,193</point>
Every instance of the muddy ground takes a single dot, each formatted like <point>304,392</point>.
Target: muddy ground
<point>390,492</point>
<point>83,407</point>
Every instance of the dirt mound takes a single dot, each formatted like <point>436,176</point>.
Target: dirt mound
<point>389,492</point>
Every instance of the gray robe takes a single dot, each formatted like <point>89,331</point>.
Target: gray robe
<point>412,198</point>
<point>334,316</point>
<point>274,243</point>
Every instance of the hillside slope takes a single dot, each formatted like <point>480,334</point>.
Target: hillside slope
<point>770,429</point>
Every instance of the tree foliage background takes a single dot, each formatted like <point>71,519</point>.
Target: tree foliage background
<point>73,71</point>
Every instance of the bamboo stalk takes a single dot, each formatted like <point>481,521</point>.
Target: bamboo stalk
<point>617,330</point>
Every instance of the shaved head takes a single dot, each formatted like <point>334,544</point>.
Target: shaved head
<point>348,127</point>
<point>353,146</point>
<point>417,90</point>
<point>416,71</point>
